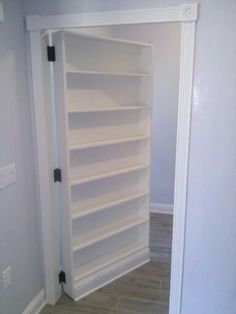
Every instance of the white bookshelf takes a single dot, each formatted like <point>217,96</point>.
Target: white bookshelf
<point>103,92</point>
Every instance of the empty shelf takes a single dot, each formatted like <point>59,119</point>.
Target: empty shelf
<point>107,260</point>
<point>78,213</point>
<point>108,142</point>
<point>74,109</point>
<point>92,237</point>
<point>108,39</point>
<point>75,181</point>
<point>102,73</point>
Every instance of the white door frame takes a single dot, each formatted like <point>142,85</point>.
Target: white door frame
<point>187,15</point>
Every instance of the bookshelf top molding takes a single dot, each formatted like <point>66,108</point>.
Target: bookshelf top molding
<point>182,13</point>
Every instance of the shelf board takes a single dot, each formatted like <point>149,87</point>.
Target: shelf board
<point>107,260</point>
<point>74,109</point>
<point>78,213</point>
<point>104,73</point>
<point>90,238</point>
<point>108,39</point>
<point>108,142</point>
<point>75,181</point>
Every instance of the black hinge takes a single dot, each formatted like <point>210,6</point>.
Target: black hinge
<point>57,175</point>
<point>62,277</point>
<point>51,53</point>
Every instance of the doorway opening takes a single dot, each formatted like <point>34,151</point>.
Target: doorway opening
<point>93,98</point>
<point>187,15</point>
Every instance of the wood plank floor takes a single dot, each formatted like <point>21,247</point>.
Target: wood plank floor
<point>144,290</point>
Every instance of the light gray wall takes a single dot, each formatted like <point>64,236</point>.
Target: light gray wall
<point>209,285</point>
<point>210,258</point>
<point>166,39</point>
<point>19,241</point>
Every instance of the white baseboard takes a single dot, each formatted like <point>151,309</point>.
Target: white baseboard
<point>110,273</point>
<point>37,304</point>
<point>160,208</point>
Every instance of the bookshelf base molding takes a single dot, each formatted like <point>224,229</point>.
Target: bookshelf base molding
<point>110,273</point>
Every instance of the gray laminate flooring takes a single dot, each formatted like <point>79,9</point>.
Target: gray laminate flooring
<point>144,290</point>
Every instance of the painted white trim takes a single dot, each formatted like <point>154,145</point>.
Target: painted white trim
<point>44,170</point>
<point>110,273</point>
<point>37,304</point>
<point>181,166</point>
<point>183,13</point>
<point>187,14</point>
<point>161,208</point>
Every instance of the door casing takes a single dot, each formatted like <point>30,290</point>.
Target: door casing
<point>186,14</point>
